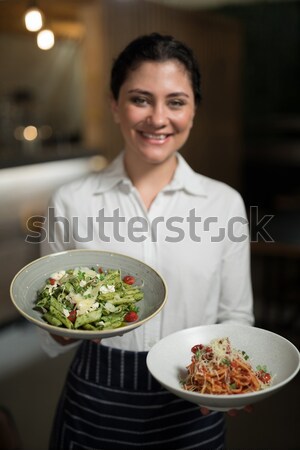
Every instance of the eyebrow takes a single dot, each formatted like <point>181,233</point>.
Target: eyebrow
<point>173,94</point>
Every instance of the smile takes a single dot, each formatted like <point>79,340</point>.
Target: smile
<point>158,137</point>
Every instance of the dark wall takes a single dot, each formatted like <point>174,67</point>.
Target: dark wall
<point>272,63</point>
<point>271,113</point>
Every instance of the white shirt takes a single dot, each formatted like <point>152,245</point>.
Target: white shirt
<point>207,269</point>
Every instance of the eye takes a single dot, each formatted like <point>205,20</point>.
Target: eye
<point>139,101</point>
<point>176,103</point>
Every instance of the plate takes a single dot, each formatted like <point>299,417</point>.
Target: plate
<point>168,359</point>
<point>29,280</point>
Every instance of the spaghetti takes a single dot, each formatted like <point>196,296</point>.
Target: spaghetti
<point>219,369</point>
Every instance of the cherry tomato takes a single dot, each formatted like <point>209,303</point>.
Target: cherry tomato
<point>131,316</point>
<point>72,316</point>
<point>52,281</point>
<point>196,348</point>
<point>129,279</point>
<point>265,377</point>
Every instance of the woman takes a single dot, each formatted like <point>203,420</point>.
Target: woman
<point>190,228</point>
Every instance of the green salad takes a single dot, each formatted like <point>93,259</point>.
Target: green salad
<point>89,299</point>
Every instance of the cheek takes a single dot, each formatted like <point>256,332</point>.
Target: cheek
<point>132,115</point>
<point>128,121</point>
<point>119,115</point>
<point>185,122</point>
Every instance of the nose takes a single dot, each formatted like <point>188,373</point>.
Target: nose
<point>158,117</point>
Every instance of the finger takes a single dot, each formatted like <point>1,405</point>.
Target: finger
<point>232,412</point>
<point>204,411</point>
<point>62,340</point>
<point>248,408</point>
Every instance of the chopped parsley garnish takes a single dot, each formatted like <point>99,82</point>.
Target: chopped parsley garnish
<point>245,355</point>
<point>226,362</point>
<point>262,368</point>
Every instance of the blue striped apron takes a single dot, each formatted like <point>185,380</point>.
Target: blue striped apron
<point>111,402</point>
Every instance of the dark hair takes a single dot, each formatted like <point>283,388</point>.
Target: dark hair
<point>159,48</point>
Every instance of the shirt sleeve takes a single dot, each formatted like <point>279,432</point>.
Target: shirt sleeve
<point>51,347</point>
<point>57,239</point>
<point>57,227</point>
<point>236,299</point>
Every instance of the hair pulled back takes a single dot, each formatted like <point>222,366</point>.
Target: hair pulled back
<point>157,48</point>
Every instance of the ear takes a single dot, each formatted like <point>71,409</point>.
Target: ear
<point>114,108</point>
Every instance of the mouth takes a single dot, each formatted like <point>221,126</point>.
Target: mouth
<point>159,138</point>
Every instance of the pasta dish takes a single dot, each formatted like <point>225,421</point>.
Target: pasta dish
<point>218,368</point>
<point>89,299</point>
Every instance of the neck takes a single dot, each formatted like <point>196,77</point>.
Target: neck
<point>150,179</point>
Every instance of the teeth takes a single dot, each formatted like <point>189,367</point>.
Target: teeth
<point>159,137</point>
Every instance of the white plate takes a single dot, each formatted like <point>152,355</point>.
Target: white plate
<point>31,278</point>
<point>168,359</point>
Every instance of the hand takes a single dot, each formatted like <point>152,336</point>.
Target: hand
<point>230,412</point>
<point>62,340</point>
<point>234,412</point>
<point>67,341</point>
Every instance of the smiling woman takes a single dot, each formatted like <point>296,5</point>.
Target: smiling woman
<point>154,107</point>
<point>155,85</point>
<point>155,116</point>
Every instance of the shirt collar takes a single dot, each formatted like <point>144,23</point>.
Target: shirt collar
<point>114,174</point>
<point>184,178</point>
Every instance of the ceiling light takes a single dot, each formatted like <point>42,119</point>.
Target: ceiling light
<point>33,19</point>
<point>30,133</point>
<point>45,39</point>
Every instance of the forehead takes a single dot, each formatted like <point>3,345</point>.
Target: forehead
<point>162,73</point>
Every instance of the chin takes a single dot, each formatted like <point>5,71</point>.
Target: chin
<point>157,159</point>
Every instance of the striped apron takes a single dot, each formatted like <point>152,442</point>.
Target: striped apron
<point>111,402</point>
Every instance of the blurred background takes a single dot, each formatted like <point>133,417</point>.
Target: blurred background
<point>55,125</point>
